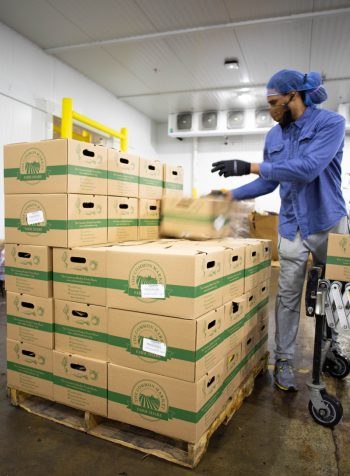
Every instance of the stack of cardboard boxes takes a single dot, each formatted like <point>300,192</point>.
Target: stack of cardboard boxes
<point>154,333</point>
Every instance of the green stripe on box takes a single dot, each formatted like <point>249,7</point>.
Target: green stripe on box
<point>50,170</point>
<point>122,177</point>
<point>83,224</point>
<point>149,222</point>
<point>338,260</point>
<point>252,270</point>
<point>49,225</point>
<point>178,413</point>
<point>173,186</point>
<point>190,218</point>
<point>150,181</point>
<point>23,369</point>
<point>87,171</point>
<point>175,352</point>
<point>80,387</point>
<point>77,279</point>
<point>171,290</point>
<point>265,264</point>
<point>28,273</point>
<point>81,333</point>
<point>122,222</point>
<point>29,323</point>
<point>231,278</point>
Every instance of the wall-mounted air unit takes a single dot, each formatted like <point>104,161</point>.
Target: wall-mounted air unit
<point>263,118</point>
<point>219,123</point>
<point>235,119</point>
<point>209,120</point>
<point>184,121</point>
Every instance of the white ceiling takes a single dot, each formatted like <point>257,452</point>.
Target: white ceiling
<point>165,56</point>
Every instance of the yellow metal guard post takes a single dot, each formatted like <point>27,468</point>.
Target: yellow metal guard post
<point>67,124</point>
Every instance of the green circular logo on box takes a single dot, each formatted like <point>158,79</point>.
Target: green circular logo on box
<point>145,272</point>
<point>32,168</point>
<point>33,220</point>
<point>149,399</point>
<point>146,330</point>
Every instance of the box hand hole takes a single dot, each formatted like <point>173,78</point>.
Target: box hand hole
<point>28,353</point>
<point>78,259</point>
<point>88,153</point>
<point>123,161</point>
<point>22,254</point>
<point>27,304</point>
<point>79,314</point>
<point>123,206</point>
<point>88,205</point>
<point>211,324</point>
<point>210,264</point>
<point>79,367</point>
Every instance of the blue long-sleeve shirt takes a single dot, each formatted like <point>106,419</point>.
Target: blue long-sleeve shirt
<point>305,160</point>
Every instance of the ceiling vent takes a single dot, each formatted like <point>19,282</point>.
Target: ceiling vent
<point>263,118</point>
<point>209,120</point>
<point>235,119</point>
<point>184,121</point>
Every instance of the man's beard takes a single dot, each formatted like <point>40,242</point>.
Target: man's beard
<point>286,119</point>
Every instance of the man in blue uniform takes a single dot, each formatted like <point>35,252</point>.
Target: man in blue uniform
<point>302,154</point>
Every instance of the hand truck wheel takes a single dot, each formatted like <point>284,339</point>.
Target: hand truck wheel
<point>338,366</point>
<point>329,416</point>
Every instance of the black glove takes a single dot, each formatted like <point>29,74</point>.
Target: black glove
<point>231,168</point>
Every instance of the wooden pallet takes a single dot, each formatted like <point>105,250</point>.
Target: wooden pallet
<point>170,449</point>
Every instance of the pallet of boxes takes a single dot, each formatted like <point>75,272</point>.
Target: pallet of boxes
<point>109,325</point>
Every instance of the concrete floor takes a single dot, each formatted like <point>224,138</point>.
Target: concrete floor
<point>271,434</point>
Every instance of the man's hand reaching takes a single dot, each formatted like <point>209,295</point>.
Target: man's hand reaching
<point>231,168</point>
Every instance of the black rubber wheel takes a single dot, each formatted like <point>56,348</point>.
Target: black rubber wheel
<point>330,416</point>
<point>339,367</point>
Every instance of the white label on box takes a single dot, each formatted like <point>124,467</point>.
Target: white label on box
<point>35,217</point>
<point>154,291</point>
<point>219,222</point>
<point>154,347</point>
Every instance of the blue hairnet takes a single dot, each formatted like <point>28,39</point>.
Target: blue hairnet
<point>288,80</point>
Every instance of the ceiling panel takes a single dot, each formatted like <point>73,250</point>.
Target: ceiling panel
<point>204,54</point>
<point>99,66</point>
<point>159,106</point>
<point>155,63</point>
<point>329,56</point>
<point>105,19</point>
<point>239,10</point>
<point>171,15</point>
<point>268,49</point>
<point>40,22</point>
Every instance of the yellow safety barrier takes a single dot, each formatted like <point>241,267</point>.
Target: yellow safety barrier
<point>85,136</point>
<point>67,125</point>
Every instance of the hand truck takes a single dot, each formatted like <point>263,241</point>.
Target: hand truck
<point>329,302</point>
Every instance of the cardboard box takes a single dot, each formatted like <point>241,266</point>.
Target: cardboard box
<point>150,179</point>
<point>168,406</point>
<point>265,270</point>
<point>123,174</point>
<point>165,279</point>
<point>265,225</point>
<point>253,260</point>
<point>195,218</point>
<point>55,166</point>
<point>235,319</point>
<point>29,369</point>
<point>80,274</point>
<point>30,319</point>
<point>248,351</point>
<point>80,382</point>
<point>81,329</point>
<point>28,269</point>
<point>179,348</point>
<point>122,219</point>
<point>234,259</point>
<point>338,257</point>
<point>149,219</point>
<point>56,220</point>
<point>233,374</point>
<point>172,180</point>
